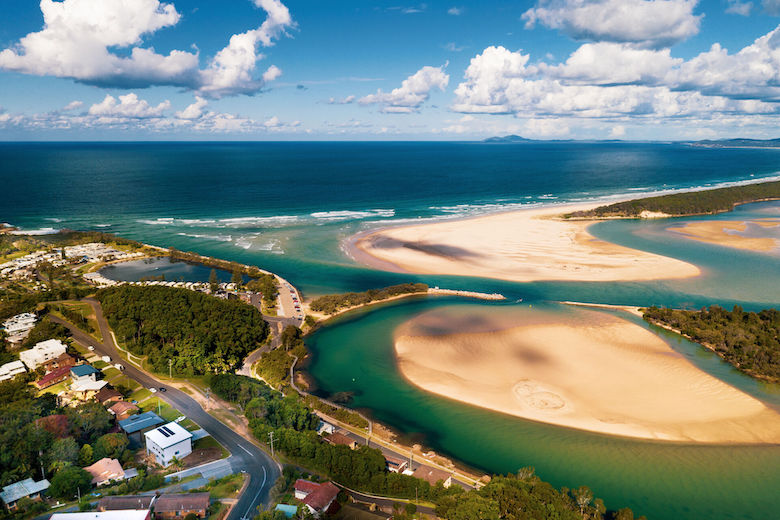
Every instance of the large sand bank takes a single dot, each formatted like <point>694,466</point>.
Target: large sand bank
<point>522,246</point>
<point>593,372</point>
<point>731,233</point>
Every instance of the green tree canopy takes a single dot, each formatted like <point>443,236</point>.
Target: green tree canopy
<point>68,481</point>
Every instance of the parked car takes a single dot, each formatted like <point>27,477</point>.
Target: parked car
<point>153,390</point>
<point>90,348</point>
<point>119,367</point>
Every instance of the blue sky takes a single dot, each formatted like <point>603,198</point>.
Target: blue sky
<point>289,70</point>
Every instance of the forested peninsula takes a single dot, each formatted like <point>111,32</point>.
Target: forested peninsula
<point>747,340</point>
<point>690,203</point>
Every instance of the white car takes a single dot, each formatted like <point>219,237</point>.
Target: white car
<point>119,367</point>
<point>153,390</point>
<point>90,348</point>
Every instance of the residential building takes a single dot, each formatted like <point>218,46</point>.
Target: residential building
<point>88,389</point>
<point>339,438</point>
<point>318,498</point>
<point>168,441</point>
<point>29,488</point>
<point>395,465</point>
<point>83,373</point>
<point>122,410</point>
<point>53,377</point>
<point>325,428</point>
<point>137,425</point>
<point>433,475</point>
<point>180,505</point>
<point>11,370</point>
<point>105,470</point>
<point>120,502</point>
<point>126,514</point>
<point>42,352</point>
<point>63,360</point>
<point>18,327</point>
<point>106,396</point>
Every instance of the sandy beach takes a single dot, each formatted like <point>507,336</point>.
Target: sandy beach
<point>592,371</point>
<point>731,233</point>
<point>521,246</point>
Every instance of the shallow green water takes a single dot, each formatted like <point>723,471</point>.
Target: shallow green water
<point>660,480</point>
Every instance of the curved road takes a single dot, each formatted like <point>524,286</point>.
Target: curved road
<point>261,468</point>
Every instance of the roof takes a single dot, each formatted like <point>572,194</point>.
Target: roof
<point>50,344</point>
<point>127,514</point>
<point>53,376</point>
<point>181,502</point>
<point>140,422</point>
<point>394,461</point>
<point>125,502</point>
<point>305,486</point>
<point>107,393</point>
<point>340,438</point>
<point>431,475</point>
<point>288,510</point>
<point>24,488</point>
<point>83,370</point>
<point>168,435</point>
<point>122,407</point>
<point>88,385</point>
<point>323,495</point>
<point>105,469</point>
<point>13,365</point>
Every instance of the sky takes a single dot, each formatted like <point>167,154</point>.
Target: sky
<point>361,70</point>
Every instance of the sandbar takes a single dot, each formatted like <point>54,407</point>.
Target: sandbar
<point>582,369</point>
<point>731,233</point>
<point>520,246</point>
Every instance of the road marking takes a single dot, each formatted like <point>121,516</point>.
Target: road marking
<point>249,452</point>
<point>246,515</point>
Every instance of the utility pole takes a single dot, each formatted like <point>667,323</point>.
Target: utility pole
<point>271,435</point>
<point>170,368</point>
<point>40,458</point>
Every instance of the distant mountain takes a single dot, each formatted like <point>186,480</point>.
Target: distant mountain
<point>738,143</point>
<point>507,139</point>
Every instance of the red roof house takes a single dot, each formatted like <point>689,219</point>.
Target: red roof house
<point>318,498</point>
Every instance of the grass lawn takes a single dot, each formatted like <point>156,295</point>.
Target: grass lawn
<point>167,412</point>
<point>132,384</point>
<point>218,509</point>
<point>54,389</point>
<point>189,425</point>
<point>209,442</point>
<point>226,487</point>
<point>111,373</point>
<point>140,394</point>
<point>100,365</point>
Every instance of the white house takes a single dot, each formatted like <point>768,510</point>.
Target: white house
<point>11,370</point>
<point>20,323</point>
<point>168,441</point>
<point>42,352</point>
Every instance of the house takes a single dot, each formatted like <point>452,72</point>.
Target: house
<point>168,441</point>
<point>433,475</point>
<point>29,488</point>
<point>87,389</point>
<point>83,373</point>
<point>324,428</point>
<point>396,465</point>
<point>137,425</point>
<point>52,378</point>
<point>19,327</point>
<point>122,410</point>
<point>318,498</point>
<point>126,514</point>
<point>42,352</point>
<point>11,370</point>
<point>180,505</point>
<point>340,438</point>
<point>118,503</point>
<point>106,396</point>
<point>105,470</point>
<point>63,360</point>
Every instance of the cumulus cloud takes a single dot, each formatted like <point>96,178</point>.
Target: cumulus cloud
<point>128,105</point>
<point>646,23</point>
<point>193,111</point>
<point>740,8</point>
<point>412,93</point>
<point>343,101</point>
<point>80,39</point>
<point>73,105</point>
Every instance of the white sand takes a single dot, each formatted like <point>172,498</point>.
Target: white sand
<point>727,233</point>
<point>522,246</point>
<point>602,374</point>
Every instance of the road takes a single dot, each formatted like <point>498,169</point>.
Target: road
<point>261,468</point>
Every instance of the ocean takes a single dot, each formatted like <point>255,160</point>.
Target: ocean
<point>288,207</point>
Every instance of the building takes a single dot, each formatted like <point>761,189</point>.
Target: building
<point>29,488</point>
<point>18,327</point>
<point>181,505</point>
<point>396,465</point>
<point>105,470</point>
<point>53,377</point>
<point>339,438</point>
<point>42,352</point>
<point>87,389</point>
<point>137,425</point>
<point>63,360</point>
<point>433,475</point>
<point>11,370</point>
<point>318,498</point>
<point>83,373</point>
<point>124,502</point>
<point>325,428</point>
<point>106,396</point>
<point>122,410</point>
<point>126,514</point>
<point>168,441</point>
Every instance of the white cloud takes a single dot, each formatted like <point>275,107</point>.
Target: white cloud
<point>771,6</point>
<point>545,128</point>
<point>647,23</point>
<point>617,131</point>
<point>193,111</point>
<point>453,47</point>
<point>271,73</point>
<point>343,101</point>
<point>73,105</point>
<point>412,93</point>
<point>455,11</point>
<point>128,105</point>
<point>739,7</point>
<point>79,39</point>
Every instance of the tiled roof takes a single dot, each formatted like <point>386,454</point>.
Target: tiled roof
<point>181,502</point>
<point>117,503</point>
<point>105,469</point>
<point>318,495</point>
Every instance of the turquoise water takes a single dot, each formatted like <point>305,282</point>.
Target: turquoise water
<point>287,207</point>
<point>172,271</point>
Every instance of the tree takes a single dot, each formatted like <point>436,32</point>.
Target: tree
<point>86,456</point>
<point>291,336</point>
<point>69,481</point>
<point>63,452</point>
<point>110,445</point>
<point>583,496</point>
<point>237,278</point>
<point>213,280</point>
<point>91,419</point>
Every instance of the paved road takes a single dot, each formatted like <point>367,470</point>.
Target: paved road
<point>385,503</point>
<point>263,471</point>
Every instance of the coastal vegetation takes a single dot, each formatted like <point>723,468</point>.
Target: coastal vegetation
<point>225,265</point>
<point>332,303</point>
<point>747,340</point>
<point>704,202</point>
<point>266,285</point>
<point>199,333</point>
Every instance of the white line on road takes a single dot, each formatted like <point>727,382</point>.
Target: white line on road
<point>249,452</point>
<point>246,515</point>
